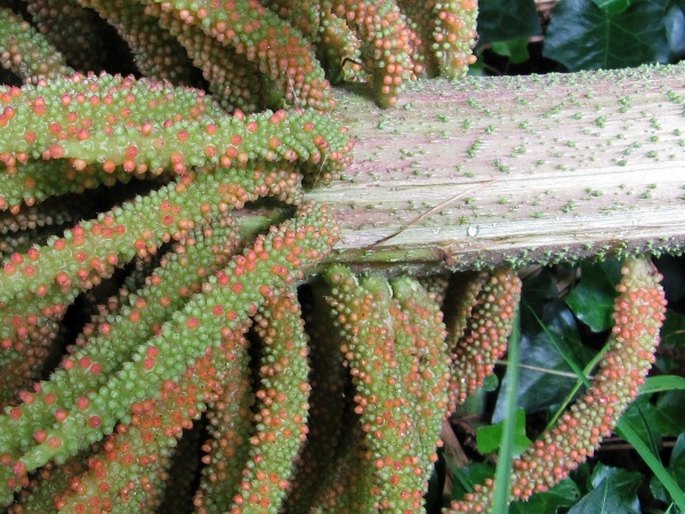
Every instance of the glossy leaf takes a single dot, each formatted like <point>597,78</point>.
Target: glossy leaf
<point>669,412</point>
<point>515,49</point>
<point>672,343</point>
<point>501,20</point>
<point>613,7</point>
<point>564,494</point>
<point>613,491</point>
<point>468,476</point>
<point>545,377</point>
<point>488,438</point>
<point>592,300</point>
<point>662,383</point>
<point>583,36</point>
<point>676,468</point>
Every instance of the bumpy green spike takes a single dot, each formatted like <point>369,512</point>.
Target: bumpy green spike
<point>275,46</point>
<point>94,248</point>
<point>327,405</point>
<point>381,399</point>
<point>227,451</point>
<point>454,35</point>
<point>39,496</point>
<point>111,339</point>
<point>138,451</point>
<point>387,37</point>
<point>282,406</point>
<point>36,181</point>
<point>422,354</point>
<point>143,125</point>
<point>276,260</point>
<point>25,52</point>
<point>233,80</point>
<point>304,15</point>
<point>341,50</point>
<point>486,334</point>
<point>72,29</point>
<point>156,53</point>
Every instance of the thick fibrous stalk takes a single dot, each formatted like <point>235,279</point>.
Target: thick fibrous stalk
<point>639,311</point>
<point>25,53</point>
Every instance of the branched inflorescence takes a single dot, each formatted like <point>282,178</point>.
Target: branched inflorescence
<point>138,308</point>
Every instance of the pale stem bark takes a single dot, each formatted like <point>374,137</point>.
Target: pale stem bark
<point>514,170</point>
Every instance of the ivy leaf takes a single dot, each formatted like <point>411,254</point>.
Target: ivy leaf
<point>564,494</point>
<point>592,300</point>
<point>675,30</point>
<point>643,418</point>
<point>613,490</point>
<point>488,438</point>
<point>613,7</point>
<point>501,20</point>
<point>538,389</point>
<point>467,477</point>
<point>583,36</point>
<point>515,49</point>
<point>672,343</point>
<point>669,412</point>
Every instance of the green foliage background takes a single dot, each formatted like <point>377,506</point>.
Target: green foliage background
<point>587,34</point>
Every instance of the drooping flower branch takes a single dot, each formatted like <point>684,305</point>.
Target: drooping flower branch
<point>639,311</point>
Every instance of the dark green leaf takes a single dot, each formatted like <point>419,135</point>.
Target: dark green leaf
<point>613,491</point>
<point>592,300</point>
<point>490,383</point>
<point>564,494</point>
<point>672,343</point>
<point>670,414</point>
<point>642,417</point>
<point>583,36</point>
<point>515,49</point>
<point>661,383</point>
<point>676,468</point>
<point>672,268</point>
<point>468,476</point>
<point>613,7</point>
<point>537,292</point>
<point>500,20</point>
<point>675,31</point>
<point>488,438</point>
<point>539,389</point>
